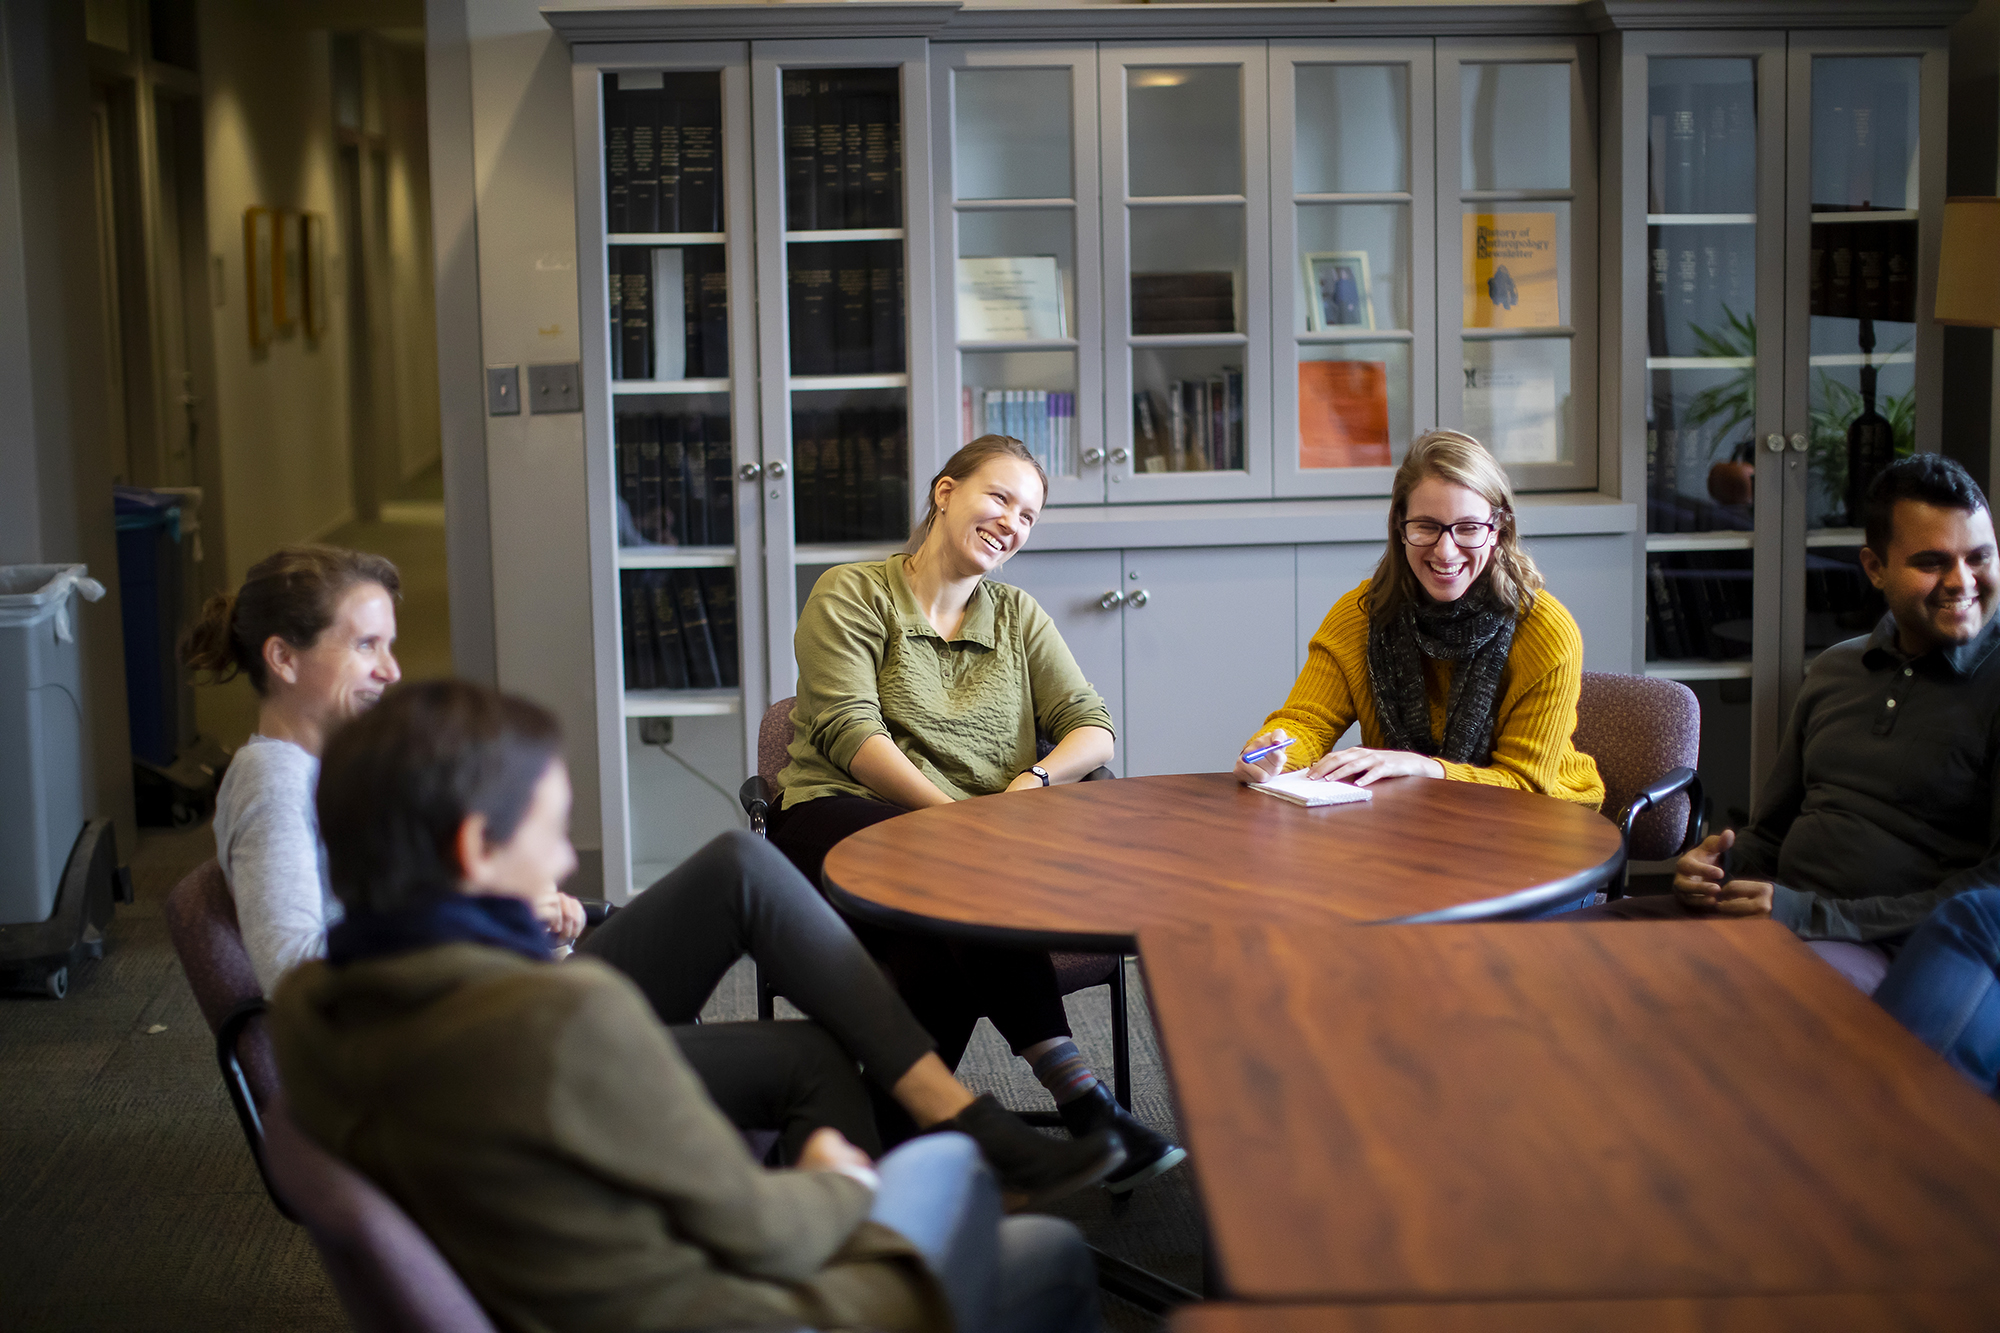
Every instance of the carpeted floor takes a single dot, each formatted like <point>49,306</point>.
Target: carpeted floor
<point>128,1200</point>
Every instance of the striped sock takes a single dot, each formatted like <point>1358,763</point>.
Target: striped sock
<point>1064,1072</point>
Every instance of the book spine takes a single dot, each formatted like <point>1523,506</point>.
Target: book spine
<point>669,322</point>
<point>812,309</point>
<point>694,479</point>
<point>721,480</point>
<point>877,127</point>
<point>718,596</point>
<point>615,292</point>
<point>829,207</point>
<point>617,156</point>
<point>885,307</point>
<point>893,447</point>
<point>801,151</point>
<point>636,310</point>
<point>1683,150</point>
<point>1656,293</point>
<point>714,315</point>
<point>830,468</point>
<point>637,636</point>
<point>1234,379</point>
<point>853,159</point>
<point>848,478</point>
<point>650,514</point>
<point>673,486</point>
<point>668,210</point>
<point>868,476</point>
<point>669,638</point>
<point>701,161</point>
<point>704,671</point>
<point>854,353</point>
<point>805,478</point>
<point>643,206</point>
<point>629,504</point>
<point>1666,627</point>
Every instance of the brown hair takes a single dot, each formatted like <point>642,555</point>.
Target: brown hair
<point>963,464</point>
<point>1453,456</point>
<point>292,593</point>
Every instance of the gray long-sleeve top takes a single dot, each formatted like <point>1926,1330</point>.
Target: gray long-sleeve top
<point>267,841</point>
<point>1882,802</point>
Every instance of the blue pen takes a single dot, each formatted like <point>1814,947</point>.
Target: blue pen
<point>1257,754</point>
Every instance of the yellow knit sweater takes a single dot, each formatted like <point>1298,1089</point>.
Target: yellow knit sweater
<point>1537,706</point>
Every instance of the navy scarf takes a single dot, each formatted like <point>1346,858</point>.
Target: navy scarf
<point>452,918</point>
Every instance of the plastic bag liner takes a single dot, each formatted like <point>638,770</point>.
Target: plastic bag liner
<point>30,594</point>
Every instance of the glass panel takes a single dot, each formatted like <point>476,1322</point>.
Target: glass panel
<point>663,151</point>
<point>679,628</point>
<point>1354,404</point>
<point>1701,136</point>
<point>1187,270</point>
<point>1840,601</point>
<point>1187,409</point>
<point>1698,606</point>
<point>843,149</point>
<point>1516,265</point>
<point>1355,262</point>
<point>1012,130</point>
<point>1353,129</point>
<point>846,307</point>
<point>850,466</point>
<point>1514,126</point>
<point>1700,450</point>
<point>1517,398</point>
<point>1864,152</point>
<point>1184,127</point>
<point>1862,386</point>
<point>1025,288</point>
<point>669,311</point>
<point>1028,395</point>
<point>675,466</point>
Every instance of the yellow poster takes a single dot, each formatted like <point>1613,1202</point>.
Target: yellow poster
<point>1510,271</point>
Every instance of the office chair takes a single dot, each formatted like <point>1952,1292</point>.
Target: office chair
<point>1645,735</point>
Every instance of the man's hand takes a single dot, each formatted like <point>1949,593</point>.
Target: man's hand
<point>1698,874</point>
<point>829,1150</point>
<point>1745,897</point>
<point>560,915</point>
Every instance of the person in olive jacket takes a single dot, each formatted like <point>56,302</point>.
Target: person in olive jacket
<point>538,1122</point>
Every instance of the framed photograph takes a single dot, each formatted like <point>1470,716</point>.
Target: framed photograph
<point>319,298</point>
<point>260,242</point>
<point>1338,295</point>
<point>288,278</point>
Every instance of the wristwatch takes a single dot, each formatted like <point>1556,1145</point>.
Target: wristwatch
<point>1040,772</point>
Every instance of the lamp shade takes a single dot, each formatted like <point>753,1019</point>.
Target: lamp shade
<point>1968,290</point>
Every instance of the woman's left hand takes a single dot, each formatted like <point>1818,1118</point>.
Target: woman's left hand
<point>1362,766</point>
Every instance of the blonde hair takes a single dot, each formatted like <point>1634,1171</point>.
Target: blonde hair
<point>1453,456</point>
<point>962,465</point>
<point>292,593</point>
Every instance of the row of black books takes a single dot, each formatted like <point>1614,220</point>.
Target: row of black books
<point>1195,426</point>
<point>676,481</point>
<point>669,312</point>
<point>663,152</point>
<point>1694,483</point>
<point>1704,282</point>
<point>843,149</point>
<point>680,629</point>
<point>1698,605</point>
<point>1183,303</point>
<point>1702,147</point>
<point>846,307</point>
<point>851,475</point>
<point>1864,270</point>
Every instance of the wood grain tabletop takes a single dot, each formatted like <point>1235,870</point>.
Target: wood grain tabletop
<point>1974,1311</point>
<point>1548,1110</point>
<point>1089,864</point>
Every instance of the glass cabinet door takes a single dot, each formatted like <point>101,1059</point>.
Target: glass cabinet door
<point>1864,356</point>
<point>1186,294</point>
<point>1018,231</point>
<point>1352,331</point>
<point>841,152</point>
<point>1516,292</point>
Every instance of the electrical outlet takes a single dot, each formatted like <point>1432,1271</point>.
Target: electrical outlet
<point>656,731</point>
<point>503,391</point>
<point>553,388</point>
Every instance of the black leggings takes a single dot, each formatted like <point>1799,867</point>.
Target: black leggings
<point>948,985</point>
<point>735,896</point>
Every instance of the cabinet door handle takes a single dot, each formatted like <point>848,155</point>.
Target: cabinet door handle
<point>1112,600</point>
<point>1775,443</point>
<point>776,467</point>
<point>1119,455</point>
<point>1140,598</point>
<point>1093,456</point>
<point>1798,441</point>
<point>749,472</point>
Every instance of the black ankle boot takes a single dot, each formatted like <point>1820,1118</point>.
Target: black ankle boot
<point>1147,1154</point>
<point>1033,1168</point>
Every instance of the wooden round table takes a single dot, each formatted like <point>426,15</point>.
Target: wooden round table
<point>1088,865</point>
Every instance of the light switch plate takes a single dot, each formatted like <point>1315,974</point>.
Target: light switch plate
<point>555,388</point>
<point>503,391</point>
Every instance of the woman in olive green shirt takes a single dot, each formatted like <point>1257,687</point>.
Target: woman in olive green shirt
<point>923,682</point>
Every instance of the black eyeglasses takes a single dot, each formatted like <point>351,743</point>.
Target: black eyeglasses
<point>1468,535</point>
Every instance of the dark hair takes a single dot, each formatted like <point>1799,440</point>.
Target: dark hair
<point>963,464</point>
<point>292,593</point>
<point>1931,478</point>
<point>396,783</point>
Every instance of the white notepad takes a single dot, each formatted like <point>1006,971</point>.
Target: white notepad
<point>1299,789</point>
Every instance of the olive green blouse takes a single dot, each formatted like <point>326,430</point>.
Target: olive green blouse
<point>966,712</point>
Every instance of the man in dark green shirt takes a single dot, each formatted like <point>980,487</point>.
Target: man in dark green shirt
<point>1882,803</point>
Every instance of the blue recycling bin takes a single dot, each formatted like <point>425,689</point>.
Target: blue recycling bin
<point>149,590</point>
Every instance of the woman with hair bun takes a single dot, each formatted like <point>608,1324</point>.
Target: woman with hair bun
<point>1453,658</point>
<point>314,629</point>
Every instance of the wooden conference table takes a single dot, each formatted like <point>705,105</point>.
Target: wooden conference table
<point>1445,1112</point>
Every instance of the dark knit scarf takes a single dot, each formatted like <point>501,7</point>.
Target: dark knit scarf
<point>1476,633</point>
<point>452,918</point>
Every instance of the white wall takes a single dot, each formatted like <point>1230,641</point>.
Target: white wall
<point>413,311</point>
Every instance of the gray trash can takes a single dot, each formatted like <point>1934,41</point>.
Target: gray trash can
<point>42,800</point>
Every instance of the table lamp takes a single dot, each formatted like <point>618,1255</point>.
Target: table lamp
<point>1968,288</point>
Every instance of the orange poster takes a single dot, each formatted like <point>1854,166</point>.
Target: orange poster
<point>1343,414</point>
<point>1510,271</point>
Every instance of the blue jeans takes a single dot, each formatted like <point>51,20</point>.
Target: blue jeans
<point>1011,1275</point>
<point>1942,986</point>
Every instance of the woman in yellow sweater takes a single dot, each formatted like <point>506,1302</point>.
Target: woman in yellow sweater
<point>1452,657</point>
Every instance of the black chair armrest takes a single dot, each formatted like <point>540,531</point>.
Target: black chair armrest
<point>227,1033</point>
<point>596,911</point>
<point>1658,792</point>
<point>756,796</point>
<point>1098,774</point>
